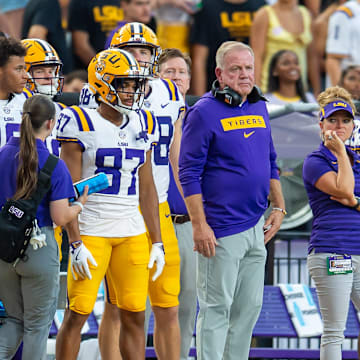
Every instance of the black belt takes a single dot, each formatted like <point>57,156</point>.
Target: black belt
<point>180,219</point>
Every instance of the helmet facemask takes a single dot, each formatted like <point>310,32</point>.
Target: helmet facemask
<point>56,80</point>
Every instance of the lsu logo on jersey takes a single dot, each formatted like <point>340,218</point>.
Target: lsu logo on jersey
<point>243,122</point>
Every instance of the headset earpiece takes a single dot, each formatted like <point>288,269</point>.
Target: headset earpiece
<point>227,95</point>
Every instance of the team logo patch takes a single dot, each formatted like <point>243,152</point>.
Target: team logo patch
<point>243,122</point>
<point>6,110</point>
<point>122,135</point>
<point>100,66</point>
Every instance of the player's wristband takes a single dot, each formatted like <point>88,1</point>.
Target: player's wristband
<point>280,209</point>
<point>79,204</point>
<point>75,244</point>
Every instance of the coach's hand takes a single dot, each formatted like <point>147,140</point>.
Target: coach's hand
<point>80,256</point>
<point>204,239</point>
<point>157,255</point>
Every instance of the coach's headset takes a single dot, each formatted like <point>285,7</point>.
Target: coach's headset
<point>233,98</point>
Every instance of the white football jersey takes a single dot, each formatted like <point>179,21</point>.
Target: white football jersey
<point>166,102</point>
<point>119,152</point>
<point>87,98</point>
<point>51,143</point>
<point>10,115</point>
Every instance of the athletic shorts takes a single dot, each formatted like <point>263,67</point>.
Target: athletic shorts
<point>124,260</point>
<point>165,290</point>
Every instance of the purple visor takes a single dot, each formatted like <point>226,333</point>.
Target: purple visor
<point>329,109</point>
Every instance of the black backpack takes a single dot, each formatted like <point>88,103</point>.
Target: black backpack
<point>17,216</point>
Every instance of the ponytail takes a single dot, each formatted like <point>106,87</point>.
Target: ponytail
<point>36,111</point>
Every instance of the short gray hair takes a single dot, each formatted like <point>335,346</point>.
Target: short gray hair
<point>228,46</point>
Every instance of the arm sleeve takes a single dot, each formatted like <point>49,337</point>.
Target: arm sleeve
<point>274,168</point>
<point>72,127</point>
<point>61,183</point>
<point>314,167</point>
<point>193,152</point>
<point>338,39</point>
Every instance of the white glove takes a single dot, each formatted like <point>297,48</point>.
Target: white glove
<point>79,256</point>
<point>157,255</point>
<point>38,240</point>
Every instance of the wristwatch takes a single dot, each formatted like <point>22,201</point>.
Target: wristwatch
<point>357,204</point>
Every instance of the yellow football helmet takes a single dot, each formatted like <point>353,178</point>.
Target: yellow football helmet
<point>138,34</point>
<point>107,73</point>
<point>39,53</point>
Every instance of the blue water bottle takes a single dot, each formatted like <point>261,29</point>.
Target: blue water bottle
<point>96,183</point>
<point>3,314</point>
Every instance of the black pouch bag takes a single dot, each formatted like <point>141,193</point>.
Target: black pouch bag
<point>17,216</point>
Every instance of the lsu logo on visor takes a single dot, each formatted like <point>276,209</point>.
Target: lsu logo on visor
<point>243,122</point>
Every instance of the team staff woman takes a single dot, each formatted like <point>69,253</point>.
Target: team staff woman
<point>29,289</point>
<point>332,181</point>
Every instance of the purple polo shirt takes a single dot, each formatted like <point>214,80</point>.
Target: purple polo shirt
<point>335,227</point>
<point>227,155</point>
<point>61,183</point>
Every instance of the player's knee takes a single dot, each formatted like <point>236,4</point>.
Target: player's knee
<point>82,305</point>
<point>133,303</point>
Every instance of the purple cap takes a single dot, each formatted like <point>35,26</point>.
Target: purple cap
<point>330,108</point>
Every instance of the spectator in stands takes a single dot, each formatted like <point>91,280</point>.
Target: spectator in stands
<point>173,21</point>
<point>42,20</point>
<point>75,81</point>
<point>11,17</point>
<point>350,81</point>
<point>134,11</point>
<point>342,42</point>
<point>90,22</point>
<point>285,84</point>
<point>175,66</point>
<point>320,31</point>
<point>216,22</point>
<point>217,170</point>
<point>284,25</point>
<point>29,288</point>
<point>332,180</point>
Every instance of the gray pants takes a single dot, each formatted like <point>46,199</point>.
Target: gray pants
<point>334,293</point>
<point>230,291</point>
<point>187,296</point>
<point>29,293</point>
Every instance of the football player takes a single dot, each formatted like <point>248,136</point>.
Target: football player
<point>12,82</point>
<point>111,233</point>
<point>44,69</point>
<point>163,98</point>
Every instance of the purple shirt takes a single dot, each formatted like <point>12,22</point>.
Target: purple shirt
<point>227,155</point>
<point>61,183</point>
<point>119,25</point>
<point>335,227</point>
